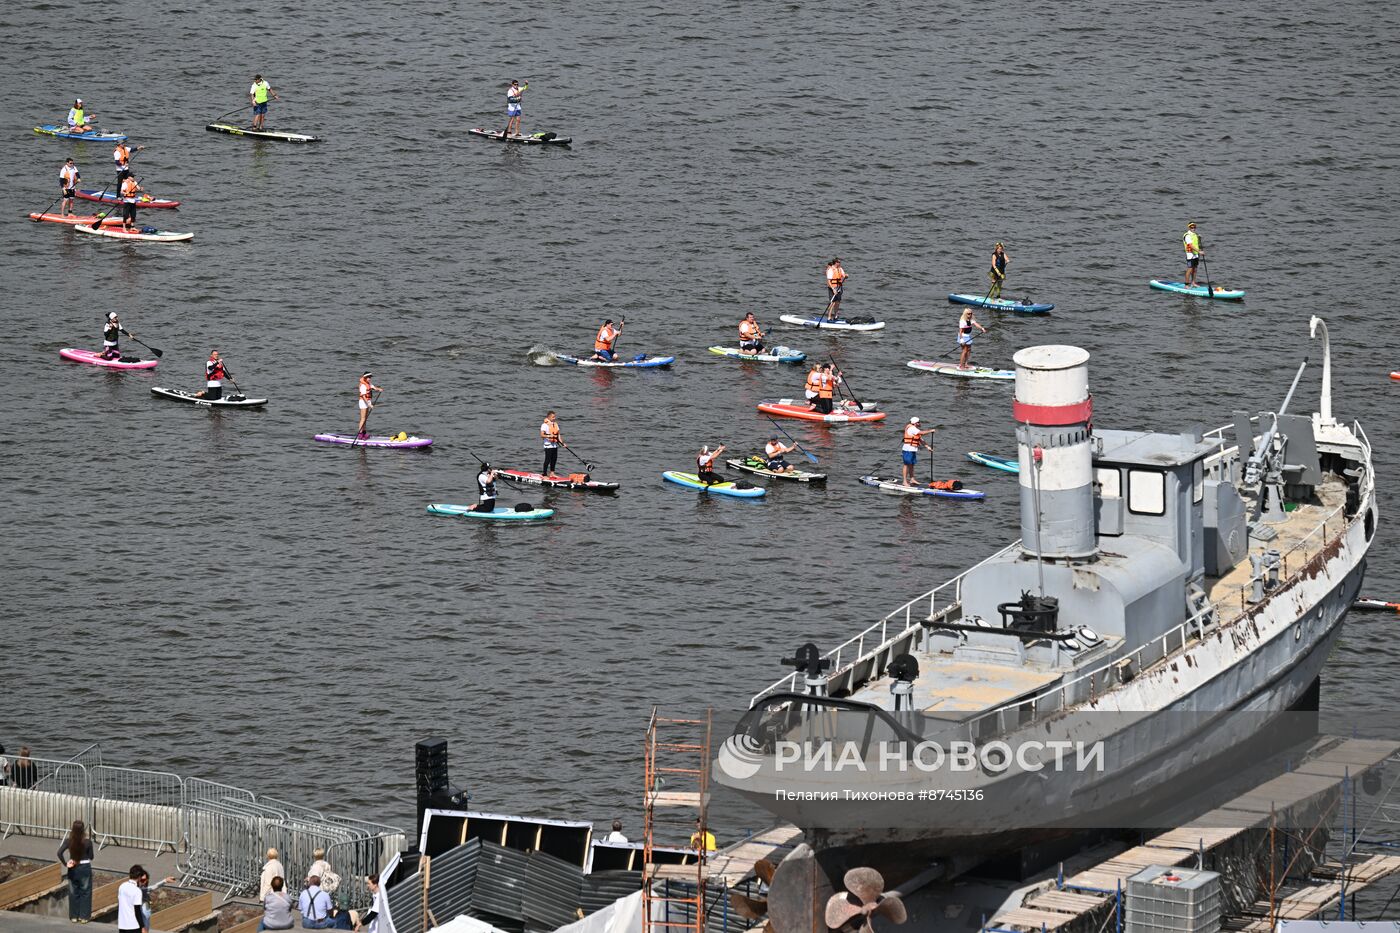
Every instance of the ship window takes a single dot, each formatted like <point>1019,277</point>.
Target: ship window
<point>1110,482</point>
<point>1147,492</point>
<point>1198,481</point>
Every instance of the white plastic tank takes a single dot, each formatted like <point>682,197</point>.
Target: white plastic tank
<point>1053,411</point>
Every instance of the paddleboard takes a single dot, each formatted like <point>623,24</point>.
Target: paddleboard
<point>996,463</point>
<point>568,481</point>
<point>77,220</point>
<point>769,354</point>
<point>275,135</point>
<point>729,488</point>
<point>94,358</point>
<point>1001,304</point>
<point>374,440</point>
<point>823,324</point>
<point>797,408</point>
<point>227,401</point>
<point>951,369</point>
<point>885,485</point>
<point>111,197</point>
<point>641,361</point>
<point>62,132</point>
<point>1395,375</point>
<point>499,515</point>
<point>534,139</point>
<point>148,234</point>
<point>757,465</point>
<point>1199,291</point>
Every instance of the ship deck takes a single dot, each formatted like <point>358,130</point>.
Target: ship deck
<point>1299,538</point>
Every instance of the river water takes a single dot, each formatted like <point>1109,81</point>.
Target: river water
<point>215,594</point>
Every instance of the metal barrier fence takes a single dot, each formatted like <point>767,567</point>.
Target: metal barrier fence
<point>220,833</point>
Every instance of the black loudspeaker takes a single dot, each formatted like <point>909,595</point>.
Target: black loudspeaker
<point>430,766</point>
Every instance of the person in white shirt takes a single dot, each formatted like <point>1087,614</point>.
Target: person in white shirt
<point>616,834</point>
<point>320,868</point>
<point>131,915</point>
<point>368,922</point>
<point>315,906</point>
<point>271,869</point>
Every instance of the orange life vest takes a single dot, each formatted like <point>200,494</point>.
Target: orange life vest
<point>911,435</point>
<point>835,276</point>
<point>129,187</point>
<point>814,380</point>
<point>607,336</point>
<point>748,330</point>
<point>826,386</point>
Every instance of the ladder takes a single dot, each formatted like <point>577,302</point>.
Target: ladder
<point>677,798</point>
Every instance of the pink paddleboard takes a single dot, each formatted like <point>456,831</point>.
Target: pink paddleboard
<point>93,358</point>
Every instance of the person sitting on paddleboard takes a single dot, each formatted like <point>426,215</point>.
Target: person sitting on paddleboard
<point>965,325</point>
<point>366,390</point>
<point>603,343</point>
<point>214,376</point>
<point>258,94</point>
<point>68,178</point>
<point>705,465</point>
<point>131,193</point>
<point>773,456</point>
<point>78,120</point>
<point>997,273</point>
<point>827,381</point>
<point>750,335</point>
<point>514,95</point>
<point>835,288</point>
<point>485,489</point>
<point>111,336</point>
<point>813,386</point>
<point>913,440</point>
<point>1191,242</point>
<point>549,430</point>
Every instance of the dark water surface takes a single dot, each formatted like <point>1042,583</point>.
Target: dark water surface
<point>214,593</point>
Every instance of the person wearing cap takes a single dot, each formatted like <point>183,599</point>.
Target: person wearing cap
<point>78,119</point>
<point>258,94</point>
<point>773,452</point>
<point>121,158</point>
<point>514,95</point>
<point>68,178</point>
<point>997,273</point>
<point>835,288</point>
<point>367,397</point>
<point>607,337</point>
<point>1191,242</point>
<point>705,465</point>
<point>485,489</point>
<point>111,334</point>
<point>913,440</point>
<point>214,376</point>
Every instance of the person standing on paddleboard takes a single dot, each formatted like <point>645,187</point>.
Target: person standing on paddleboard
<point>485,489</point>
<point>214,376</point>
<point>514,99</point>
<point>966,323</point>
<point>835,288</point>
<point>68,178</point>
<point>367,397</point>
<point>131,193</point>
<point>111,337</point>
<point>705,465</point>
<point>913,440</point>
<point>78,119</point>
<point>607,336</point>
<point>549,430</point>
<point>258,94</point>
<point>1191,242</point>
<point>750,335</point>
<point>997,273</point>
<point>121,158</point>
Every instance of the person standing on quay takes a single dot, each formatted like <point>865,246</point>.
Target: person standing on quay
<point>75,853</point>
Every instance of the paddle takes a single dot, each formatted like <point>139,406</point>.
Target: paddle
<point>842,380</point>
<point>1210,289</point>
<point>372,402</point>
<point>159,353</point>
<point>587,466</point>
<point>230,378</point>
<point>100,214</point>
<point>805,452</point>
<point>958,347</point>
<point>46,210</point>
<point>232,112</point>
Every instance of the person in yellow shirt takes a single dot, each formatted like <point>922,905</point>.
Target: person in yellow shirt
<point>258,95</point>
<point>1191,241</point>
<point>702,838</point>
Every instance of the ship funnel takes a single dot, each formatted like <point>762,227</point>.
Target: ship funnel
<point>1053,409</point>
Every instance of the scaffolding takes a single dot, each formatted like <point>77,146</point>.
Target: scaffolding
<point>677,785</point>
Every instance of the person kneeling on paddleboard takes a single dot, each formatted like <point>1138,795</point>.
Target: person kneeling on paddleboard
<point>750,336</point>
<point>966,322</point>
<point>78,120</point>
<point>367,397</point>
<point>607,337</point>
<point>214,376</point>
<point>1191,242</point>
<point>773,456</point>
<point>111,337</point>
<point>827,381</point>
<point>813,385</point>
<point>913,440</point>
<point>485,489</point>
<point>705,465</point>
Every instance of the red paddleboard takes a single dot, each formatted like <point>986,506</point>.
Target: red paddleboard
<point>75,220</point>
<point>111,197</point>
<point>791,408</point>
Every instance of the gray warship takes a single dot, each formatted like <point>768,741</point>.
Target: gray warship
<point>1170,595</point>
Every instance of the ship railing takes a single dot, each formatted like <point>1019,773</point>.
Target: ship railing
<point>902,621</point>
